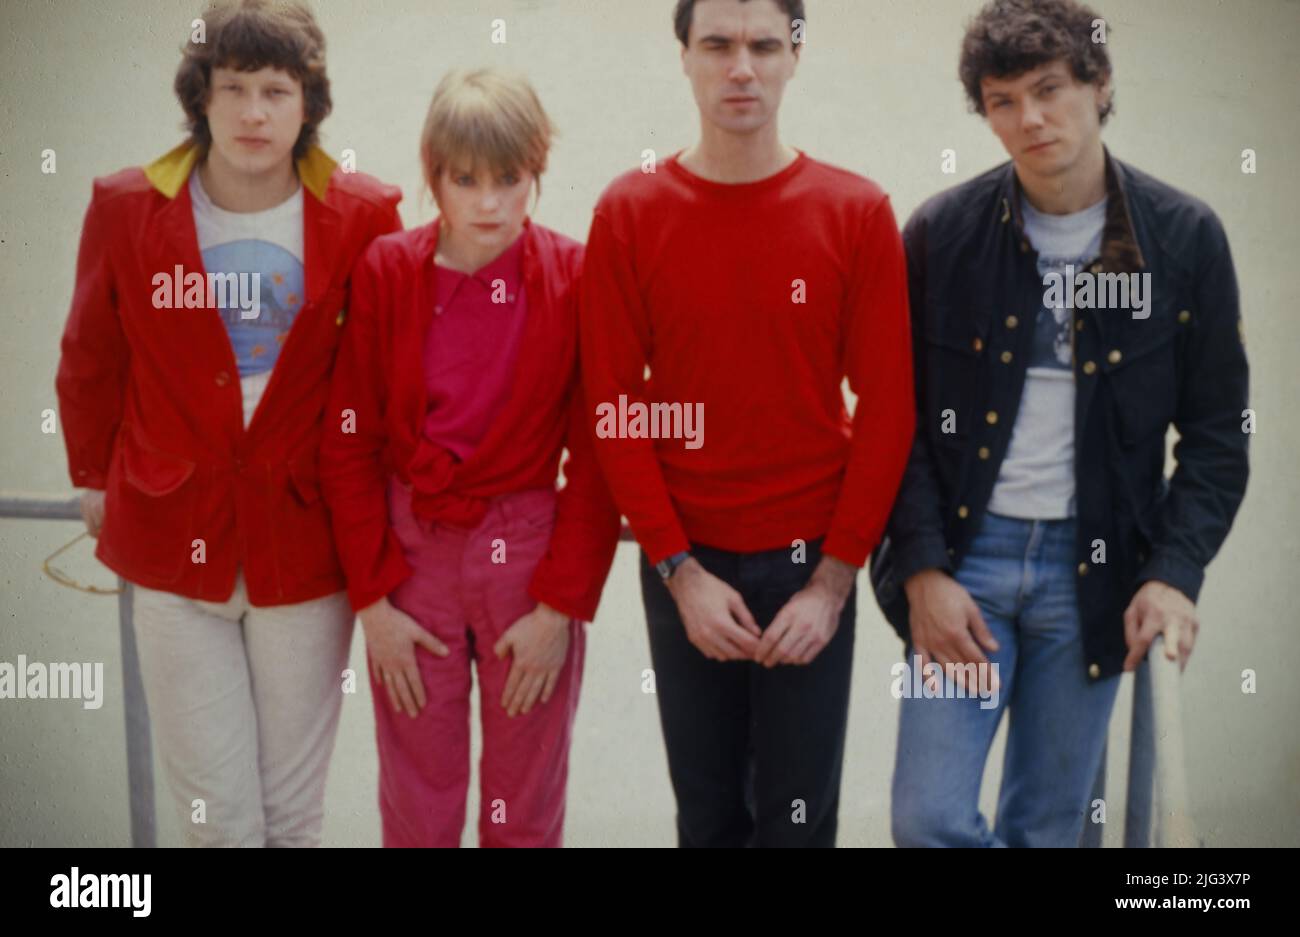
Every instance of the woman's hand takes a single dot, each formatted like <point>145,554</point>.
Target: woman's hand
<point>539,643</point>
<point>391,637</point>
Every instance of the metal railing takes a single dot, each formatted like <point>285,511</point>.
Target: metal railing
<point>139,751</point>
<point>1156,813</point>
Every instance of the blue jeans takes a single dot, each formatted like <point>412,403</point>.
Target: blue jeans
<point>1021,574</point>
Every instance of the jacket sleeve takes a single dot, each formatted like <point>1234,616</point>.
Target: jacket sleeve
<point>916,524</point>
<point>1209,481</point>
<point>878,362</point>
<point>95,359</point>
<point>616,346</point>
<point>353,475</point>
<point>572,574</point>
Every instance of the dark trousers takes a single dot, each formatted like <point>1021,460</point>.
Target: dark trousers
<point>754,754</point>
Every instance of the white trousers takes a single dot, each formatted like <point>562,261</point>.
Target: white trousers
<point>244,704</point>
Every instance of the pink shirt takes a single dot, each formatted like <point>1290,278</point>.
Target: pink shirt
<point>471,349</point>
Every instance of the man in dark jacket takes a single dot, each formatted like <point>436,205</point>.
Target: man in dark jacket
<point>1066,309</point>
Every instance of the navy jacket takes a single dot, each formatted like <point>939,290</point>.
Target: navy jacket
<point>975,293</point>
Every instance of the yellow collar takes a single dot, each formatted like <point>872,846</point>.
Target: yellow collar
<point>171,170</point>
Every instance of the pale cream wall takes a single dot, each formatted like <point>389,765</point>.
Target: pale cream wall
<point>1197,82</point>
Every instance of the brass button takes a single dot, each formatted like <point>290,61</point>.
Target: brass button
<point>1184,316</point>
<point>1094,671</point>
<point>1024,246</point>
<point>1012,322</point>
<point>343,313</point>
<point>1078,325</point>
<point>1095,268</point>
<point>991,417</point>
<point>978,344</point>
<point>963,512</point>
<point>1089,367</point>
<point>984,452</point>
<point>1006,357</point>
<point>222,378</point>
<point>1083,569</point>
<point>1114,356</point>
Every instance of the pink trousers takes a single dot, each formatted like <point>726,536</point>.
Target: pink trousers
<point>468,587</point>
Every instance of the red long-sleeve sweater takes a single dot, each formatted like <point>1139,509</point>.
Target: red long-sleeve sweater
<point>756,301</point>
<point>379,383</point>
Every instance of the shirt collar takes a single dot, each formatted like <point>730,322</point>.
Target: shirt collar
<point>170,171</point>
<point>1120,251</point>
<point>508,267</point>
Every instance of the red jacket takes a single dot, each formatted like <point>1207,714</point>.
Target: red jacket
<point>380,378</point>
<point>150,398</point>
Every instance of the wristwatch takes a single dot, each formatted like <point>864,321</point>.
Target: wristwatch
<point>667,567</point>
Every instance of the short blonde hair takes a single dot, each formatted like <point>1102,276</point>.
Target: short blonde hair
<point>485,117</point>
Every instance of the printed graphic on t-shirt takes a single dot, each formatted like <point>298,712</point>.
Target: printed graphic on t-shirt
<point>1052,348</point>
<point>1036,478</point>
<point>257,342</point>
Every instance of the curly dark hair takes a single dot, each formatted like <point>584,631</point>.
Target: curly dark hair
<point>248,35</point>
<point>1009,37</point>
<point>685,12</point>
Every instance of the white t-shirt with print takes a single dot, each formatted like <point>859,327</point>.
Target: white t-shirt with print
<point>1036,478</point>
<point>269,243</point>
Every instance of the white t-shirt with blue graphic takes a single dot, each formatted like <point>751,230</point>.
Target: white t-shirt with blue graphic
<point>269,243</point>
<point>1036,478</point>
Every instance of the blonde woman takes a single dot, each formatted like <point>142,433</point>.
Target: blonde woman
<point>455,392</point>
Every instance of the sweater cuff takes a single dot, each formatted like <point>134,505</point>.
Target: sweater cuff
<point>847,547</point>
<point>661,544</point>
<point>1173,570</point>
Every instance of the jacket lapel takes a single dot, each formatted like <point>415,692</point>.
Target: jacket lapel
<point>321,224</point>
<point>174,233</point>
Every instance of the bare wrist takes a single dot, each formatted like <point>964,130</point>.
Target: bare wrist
<point>551,616</point>
<point>835,578</point>
<point>919,580</point>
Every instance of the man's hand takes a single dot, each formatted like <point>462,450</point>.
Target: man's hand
<point>92,511</point>
<point>1159,608</point>
<point>716,619</point>
<point>391,637</point>
<point>946,624</point>
<point>809,620</point>
<point>539,642</point>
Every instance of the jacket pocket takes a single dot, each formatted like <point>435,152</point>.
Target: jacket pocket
<point>954,352</point>
<point>1144,383</point>
<point>151,470</point>
<point>303,535</point>
<point>149,511</point>
<point>304,480</point>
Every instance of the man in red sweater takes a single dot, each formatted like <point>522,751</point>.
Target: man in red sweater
<point>738,282</point>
